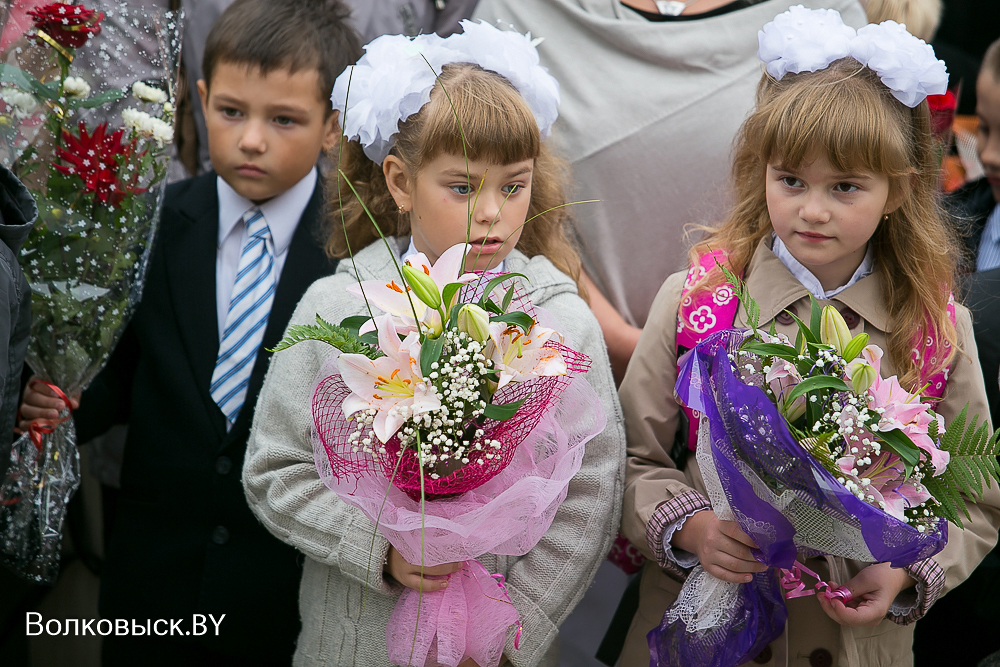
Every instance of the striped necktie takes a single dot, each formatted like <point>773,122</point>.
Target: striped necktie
<point>247,318</point>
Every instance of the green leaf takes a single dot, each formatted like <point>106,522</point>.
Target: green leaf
<point>96,100</point>
<point>804,331</point>
<point>453,316</point>
<point>502,412</point>
<point>517,318</point>
<point>27,83</point>
<point>449,292</point>
<point>491,306</point>
<point>508,297</point>
<point>750,306</point>
<point>488,290</point>
<point>815,317</point>
<point>331,334</point>
<point>370,338</point>
<point>354,323</point>
<point>769,349</point>
<point>814,383</point>
<point>901,444</point>
<point>430,351</point>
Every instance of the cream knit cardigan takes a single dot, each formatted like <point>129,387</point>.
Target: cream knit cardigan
<point>343,624</point>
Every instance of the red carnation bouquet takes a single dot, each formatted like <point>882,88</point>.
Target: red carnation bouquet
<point>86,119</point>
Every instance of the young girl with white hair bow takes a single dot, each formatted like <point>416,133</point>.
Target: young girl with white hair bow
<point>445,146</point>
<point>835,178</point>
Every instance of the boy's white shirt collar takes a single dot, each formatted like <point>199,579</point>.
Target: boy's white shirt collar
<point>412,250</point>
<point>811,282</point>
<point>282,213</point>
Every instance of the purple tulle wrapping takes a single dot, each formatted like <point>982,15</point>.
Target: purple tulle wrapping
<point>758,463</point>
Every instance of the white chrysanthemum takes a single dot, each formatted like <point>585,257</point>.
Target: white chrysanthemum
<point>803,40</point>
<point>76,87</point>
<point>147,126</point>
<point>394,78</point>
<point>144,93</point>
<point>905,64</point>
<point>22,104</point>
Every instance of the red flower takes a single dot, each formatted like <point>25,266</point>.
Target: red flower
<point>942,108</point>
<point>96,159</point>
<point>70,26</point>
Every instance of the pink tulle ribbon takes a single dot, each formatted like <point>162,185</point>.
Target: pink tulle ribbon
<point>468,619</point>
<point>791,581</point>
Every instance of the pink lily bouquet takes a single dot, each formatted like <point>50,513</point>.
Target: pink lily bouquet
<point>453,421</point>
<point>883,443</point>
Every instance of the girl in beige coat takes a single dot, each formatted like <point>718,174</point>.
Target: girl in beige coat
<point>835,182</point>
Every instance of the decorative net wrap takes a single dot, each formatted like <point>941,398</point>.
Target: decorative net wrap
<point>538,395</point>
<point>757,474</point>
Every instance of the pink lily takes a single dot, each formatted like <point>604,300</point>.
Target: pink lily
<point>397,299</point>
<point>391,385</point>
<point>519,356</point>
<point>905,411</point>
<point>782,377</point>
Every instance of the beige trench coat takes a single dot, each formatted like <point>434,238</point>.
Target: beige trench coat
<point>811,639</point>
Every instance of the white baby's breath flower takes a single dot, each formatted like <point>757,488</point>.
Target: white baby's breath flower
<point>22,104</point>
<point>74,86</point>
<point>144,93</point>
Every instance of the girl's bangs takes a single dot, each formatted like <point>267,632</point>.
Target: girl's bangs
<point>857,126</point>
<point>496,126</point>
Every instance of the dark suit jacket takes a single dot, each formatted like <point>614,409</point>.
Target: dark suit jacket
<point>970,206</point>
<point>184,540</point>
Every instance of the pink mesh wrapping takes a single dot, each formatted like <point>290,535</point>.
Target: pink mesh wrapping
<point>446,639</point>
<point>506,515</point>
<point>538,394</point>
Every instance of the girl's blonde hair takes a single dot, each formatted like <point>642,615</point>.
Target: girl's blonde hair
<point>498,127</point>
<point>845,113</point>
<point>921,17</point>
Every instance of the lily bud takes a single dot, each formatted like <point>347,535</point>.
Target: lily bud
<point>833,329</point>
<point>423,286</point>
<point>474,321</point>
<point>854,348</point>
<point>862,375</point>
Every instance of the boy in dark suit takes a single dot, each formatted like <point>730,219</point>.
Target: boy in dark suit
<point>236,250</point>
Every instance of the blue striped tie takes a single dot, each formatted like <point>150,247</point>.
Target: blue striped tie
<point>247,318</point>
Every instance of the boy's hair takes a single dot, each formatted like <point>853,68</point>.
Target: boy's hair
<point>844,112</point>
<point>497,126</point>
<point>284,34</point>
<point>991,61</point>
<point>921,17</point>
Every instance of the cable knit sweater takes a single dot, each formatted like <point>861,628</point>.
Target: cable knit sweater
<point>342,622</point>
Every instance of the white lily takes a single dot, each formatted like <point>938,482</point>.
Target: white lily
<point>391,385</point>
<point>520,356</point>
<point>397,299</point>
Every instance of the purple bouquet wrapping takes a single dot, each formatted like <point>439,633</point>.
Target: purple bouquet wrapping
<point>760,476</point>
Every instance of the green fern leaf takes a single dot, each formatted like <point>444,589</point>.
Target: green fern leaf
<point>972,467</point>
<point>328,333</point>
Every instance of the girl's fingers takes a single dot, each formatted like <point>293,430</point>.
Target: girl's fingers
<point>737,565</point>
<point>29,412</point>
<point>727,575</point>
<point>732,530</point>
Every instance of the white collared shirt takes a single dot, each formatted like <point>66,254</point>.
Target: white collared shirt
<point>412,250</point>
<point>811,282</point>
<point>282,214</point>
<point>988,255</point>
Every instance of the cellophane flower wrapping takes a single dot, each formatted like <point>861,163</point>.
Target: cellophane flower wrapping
<point>86,123</point>
<point>502,508</point>
<point>758,475</point>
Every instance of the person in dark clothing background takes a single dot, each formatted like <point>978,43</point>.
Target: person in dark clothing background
<point>17,217</point>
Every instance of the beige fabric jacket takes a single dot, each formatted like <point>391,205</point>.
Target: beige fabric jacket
<point>285,491</point>
<point>651,417</point>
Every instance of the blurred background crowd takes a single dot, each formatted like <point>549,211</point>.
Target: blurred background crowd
<point>650,105</point>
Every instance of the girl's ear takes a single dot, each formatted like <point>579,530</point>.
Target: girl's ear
<point>399,182</point>
<point>898,192</point>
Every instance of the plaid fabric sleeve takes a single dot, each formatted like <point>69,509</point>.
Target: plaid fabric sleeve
<point>666,514</point>
<point>930,585</point>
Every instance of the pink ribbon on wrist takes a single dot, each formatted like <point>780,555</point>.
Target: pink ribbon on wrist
<point>791,581</point>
